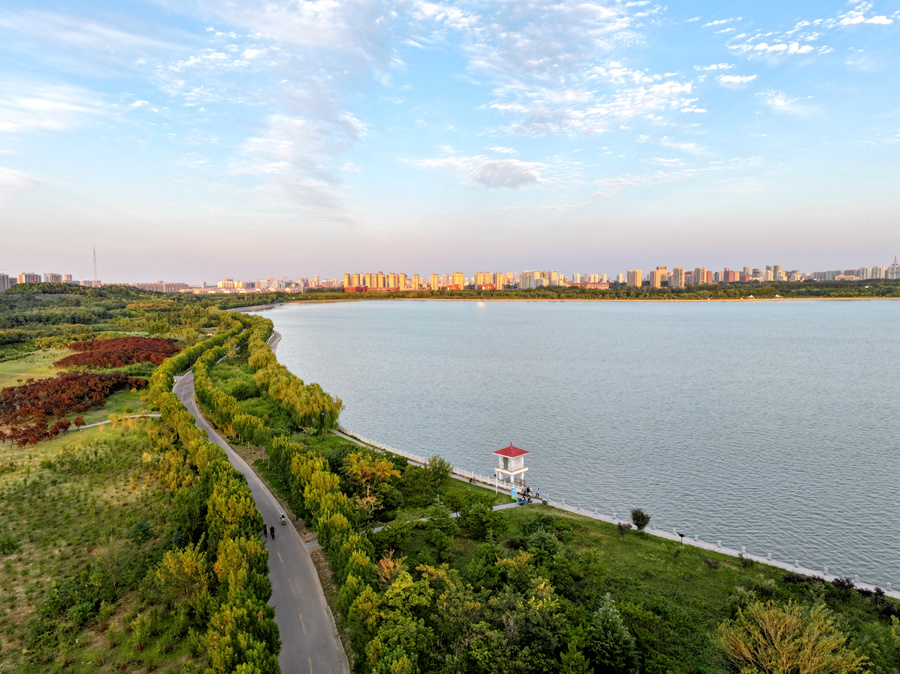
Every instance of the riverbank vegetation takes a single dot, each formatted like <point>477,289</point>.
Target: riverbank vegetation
<point>135,547</point>
<point>132,546</point>
<point>423,591</point>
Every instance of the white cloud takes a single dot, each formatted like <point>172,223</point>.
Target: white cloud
<point>29,108</point>
<point>490,171</point>
<point>715,66</point>
<point>608,187</point>
<point>550,65</point>
<point>857,16</point>
<point>735,81</point>
<point>293,159</point>
<point>691,148</point>
<point>779,102</point>
<point>359,29</point>
<point>667,162</point>
<point>503,150</point>
<point>720,22</point>
<point>13,182</point>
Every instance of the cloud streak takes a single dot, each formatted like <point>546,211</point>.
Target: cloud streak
<point>490,172</point>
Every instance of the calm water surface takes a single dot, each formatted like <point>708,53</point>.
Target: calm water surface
<point>770,425</point>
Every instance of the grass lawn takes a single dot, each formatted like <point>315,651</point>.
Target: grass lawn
<point>36,365</point>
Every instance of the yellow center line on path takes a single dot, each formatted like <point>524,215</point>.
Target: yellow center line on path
<point>310,666</point>
<point>291,585</point>
<point>279,556</point>
<point>302,624</point>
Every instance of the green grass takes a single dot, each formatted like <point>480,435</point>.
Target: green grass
<point>36,365</point>
<point>68,503</point>
<point>122,404</point>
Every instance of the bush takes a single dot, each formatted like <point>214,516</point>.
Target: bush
<point>640,518</point>
<point>8,545</point>
<point>543,543</point>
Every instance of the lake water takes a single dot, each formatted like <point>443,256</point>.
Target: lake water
<point>770,425</point>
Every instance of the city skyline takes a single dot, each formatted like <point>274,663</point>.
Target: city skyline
<point>209,139</point>
<point>660,276</point>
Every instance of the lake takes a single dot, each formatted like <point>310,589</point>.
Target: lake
<point>770,425</point>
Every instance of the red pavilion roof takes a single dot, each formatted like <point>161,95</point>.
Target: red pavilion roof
<point>511,452</point>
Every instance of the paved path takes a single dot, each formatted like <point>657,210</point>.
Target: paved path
<point>310,643</point>
<point>130,416</point>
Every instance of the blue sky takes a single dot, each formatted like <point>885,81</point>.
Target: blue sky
<point>199,139</point>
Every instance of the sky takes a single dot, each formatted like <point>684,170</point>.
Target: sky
<point>192,140</point>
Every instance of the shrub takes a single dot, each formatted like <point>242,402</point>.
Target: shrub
<point>8,545</point>
<point>640,518</point>
<point>543,543</point>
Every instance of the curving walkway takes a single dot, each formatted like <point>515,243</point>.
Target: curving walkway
<point>310,643</point>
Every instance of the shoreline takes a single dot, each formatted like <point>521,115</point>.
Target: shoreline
<point>674,536</point>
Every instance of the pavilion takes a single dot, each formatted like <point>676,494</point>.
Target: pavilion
<point>512,464</point>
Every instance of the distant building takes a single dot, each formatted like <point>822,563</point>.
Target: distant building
<point>28,277</point>
<point>678,278</point>
<point>162,287</point>
<point>635,278</point>
<point>4,282</point>
<point>53,278</point>
<point>892,273</point>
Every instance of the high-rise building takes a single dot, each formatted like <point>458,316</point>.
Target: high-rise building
<point>700,275</point>
<point>678,280</point>
<point>346,280</point>
<point>656,278</point>
<point>52,278</point>
<point>635,278</point>
<point>459,279</point>
<point>892,273</point>
<point>435,282</point>
<point>4,282</point>
<point>28,277</point>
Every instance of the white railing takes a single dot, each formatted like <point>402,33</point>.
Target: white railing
<point>674,535</point>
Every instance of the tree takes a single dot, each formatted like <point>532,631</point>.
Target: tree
<point>611,647</point>
<point>640,518</point>
<point>767,638</point>
<point>439,471</point>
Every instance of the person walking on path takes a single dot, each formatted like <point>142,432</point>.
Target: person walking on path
<point>265,532</point>
<point>272,532</point>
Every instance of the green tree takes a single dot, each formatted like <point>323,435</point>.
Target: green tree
<point>611,648</point>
